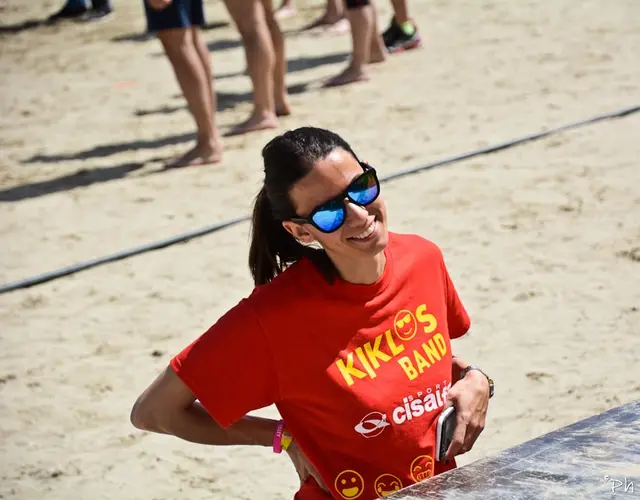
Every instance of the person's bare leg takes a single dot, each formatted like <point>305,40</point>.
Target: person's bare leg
<point>400,11</point>
<point>250,19</point>
<point>377,51</point>
<point>280,97</point>
<point>194,81</point>
<point>205,59</point>
<point>361,21</point>
<point>336,19</point>
<point>334,12</point>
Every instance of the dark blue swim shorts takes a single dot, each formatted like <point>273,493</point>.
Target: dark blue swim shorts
<point>179,14</point>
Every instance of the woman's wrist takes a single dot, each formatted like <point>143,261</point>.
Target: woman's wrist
<point>252,431</point>
<point>456,369</point>
<point>282,438</point>
<point>483,378</point>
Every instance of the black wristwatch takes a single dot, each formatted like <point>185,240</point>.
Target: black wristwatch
<point>471,367</point>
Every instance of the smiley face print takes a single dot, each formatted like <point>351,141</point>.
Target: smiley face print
<point>349,484</point>
<point>405,325</point>
<point>386,484</point>
<point>422,468</point>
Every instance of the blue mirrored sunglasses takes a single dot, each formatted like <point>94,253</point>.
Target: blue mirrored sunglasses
<point>330,216</point>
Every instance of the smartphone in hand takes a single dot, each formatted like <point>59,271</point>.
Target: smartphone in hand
<point>444,431</point>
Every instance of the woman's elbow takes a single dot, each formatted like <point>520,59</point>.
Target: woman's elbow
<point>142,415</point>
<point>156,408</point>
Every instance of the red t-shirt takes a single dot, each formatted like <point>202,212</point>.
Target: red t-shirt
<point>359,373</point>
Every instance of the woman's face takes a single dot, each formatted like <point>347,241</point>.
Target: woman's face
<point>364,231</point>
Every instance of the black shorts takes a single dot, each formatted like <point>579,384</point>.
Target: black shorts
<point>354,4</point>
<point>179,14</point>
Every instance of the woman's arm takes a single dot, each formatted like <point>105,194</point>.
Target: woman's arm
<point>169,407</point>
<point>470,396</point>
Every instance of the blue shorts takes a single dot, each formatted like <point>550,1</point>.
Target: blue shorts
<point>179,14</point>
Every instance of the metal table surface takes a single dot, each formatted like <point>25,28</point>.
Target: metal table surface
<point>598,457</point>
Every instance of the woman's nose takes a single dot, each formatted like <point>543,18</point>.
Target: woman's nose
<point>355,213</point>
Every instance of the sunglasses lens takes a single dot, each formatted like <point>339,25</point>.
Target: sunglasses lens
<point>330,216</point>
<point>365,189</point>
<point>362,191</point>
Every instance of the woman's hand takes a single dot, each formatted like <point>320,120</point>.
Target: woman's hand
<point>303,466</point>
<point>159,4</point>
<point>470,397</point>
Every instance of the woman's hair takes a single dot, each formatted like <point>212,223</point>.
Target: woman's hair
<point>287,159</point>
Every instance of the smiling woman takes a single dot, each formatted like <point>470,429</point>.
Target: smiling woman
<point>359,386</point>
<point>322,194</point>
<point>334,201</point>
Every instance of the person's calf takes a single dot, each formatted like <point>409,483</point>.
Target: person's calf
<point>195,82</point>
<point>378,51</point>
<point>361,18</point>
<point>280,96</point>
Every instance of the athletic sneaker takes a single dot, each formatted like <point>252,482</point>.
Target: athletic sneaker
<point>99,14</point>
<point>398,38</point>
<point>100,10</point>
<point>67,13</point>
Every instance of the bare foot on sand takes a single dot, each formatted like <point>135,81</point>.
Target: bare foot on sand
<point>285,12</point>
<point>328,21</point>
<point>254,123</point>
<point>351,74</point>
<point>201,154</point>
<point>339,27</point>
<point>283,108</point>
<point>378,51</point>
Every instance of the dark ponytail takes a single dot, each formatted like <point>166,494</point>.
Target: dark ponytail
<point>271,244</point>
<point>287,159</point>
<point>273,247</point>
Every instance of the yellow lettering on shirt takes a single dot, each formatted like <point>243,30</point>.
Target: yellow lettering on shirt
<point>388,345</point>
<point>431,323</point>
<point>421,363</point>
<point>406,364</point>
<point>431,351</point>
<point>441,343</point>
<point>365,362</point>
<point>348,371</point>
<point>374,353</point>
<point>395,349</point>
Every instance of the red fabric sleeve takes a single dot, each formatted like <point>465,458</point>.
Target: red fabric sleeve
<point>230,368</point>
<point>457,317</point>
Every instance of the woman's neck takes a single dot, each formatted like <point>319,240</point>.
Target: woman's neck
<point>362,271</point>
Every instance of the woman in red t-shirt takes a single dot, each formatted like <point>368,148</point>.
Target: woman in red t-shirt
<point>347,332</point>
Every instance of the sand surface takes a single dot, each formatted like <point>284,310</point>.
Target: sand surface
<point>543,241</point>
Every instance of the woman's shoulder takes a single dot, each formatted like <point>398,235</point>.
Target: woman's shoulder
<point>413,245</point>
<point>284,292</point>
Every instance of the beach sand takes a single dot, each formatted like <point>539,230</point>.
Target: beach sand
<point>542,241</point>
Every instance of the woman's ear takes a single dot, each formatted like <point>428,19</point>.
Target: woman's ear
<point>299,232</point>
